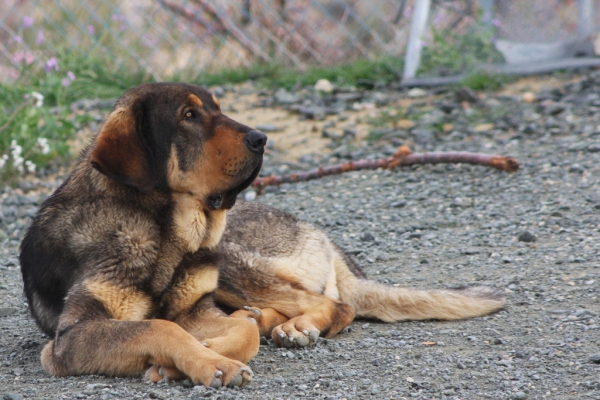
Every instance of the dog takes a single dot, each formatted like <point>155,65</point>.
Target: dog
<point>130,263</point>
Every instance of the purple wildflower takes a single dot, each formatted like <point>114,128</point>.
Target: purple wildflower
<point>71,75</point>
<point>52,64</point>
<point>91,29</point>
<point>18,39</point>
<point>27,22</point>
<point>40,37</point>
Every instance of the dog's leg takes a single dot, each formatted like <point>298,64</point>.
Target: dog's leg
<point>235,338</point>
<point>299,316</point>
<point>117,348</point>
<point>266,318</point>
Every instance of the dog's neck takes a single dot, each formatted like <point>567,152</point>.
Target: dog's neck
<point>195,225</point>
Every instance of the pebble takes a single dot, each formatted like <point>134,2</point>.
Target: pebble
<point>269,128</point>
<point>323,85</point>
<point>8,311</point>
<point>519,396</point>
<point>527,237</point>
<point>595,358</point>
<point>416,92</point>
<point>13,396</point>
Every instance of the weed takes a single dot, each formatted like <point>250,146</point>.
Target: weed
<point>452,53</point>
<point>486,81</point>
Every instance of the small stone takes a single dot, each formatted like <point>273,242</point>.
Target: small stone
<point>528,97</point>
<point>519,396</point>
<point>416,92</point>
<point>367,237</point>
<point>595,358</point>
<point>527,237</point>
<point>398,204</point>
<point>349,132</point>
<point>268,128</point>
<point>323,85</point>
<point>576,168</point>
<point>250,195</point>
<point>8,311</point>
<point>13,396</point>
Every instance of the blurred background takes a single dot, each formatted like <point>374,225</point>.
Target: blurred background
<point>56,52</point>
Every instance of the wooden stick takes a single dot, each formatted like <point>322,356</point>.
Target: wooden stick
<point>403,157</point>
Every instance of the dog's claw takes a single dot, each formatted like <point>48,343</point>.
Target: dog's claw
<point>218,374</point>
<point>254,310</point>
<point>246,376</point>
<point>216,383</point>
<point>236,381</point>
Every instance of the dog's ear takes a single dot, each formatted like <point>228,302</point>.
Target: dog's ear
<point>119,151</point>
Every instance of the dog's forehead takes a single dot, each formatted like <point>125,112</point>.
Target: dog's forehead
<point>176,94</point>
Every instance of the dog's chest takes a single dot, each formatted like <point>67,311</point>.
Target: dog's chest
<point>195,227</point>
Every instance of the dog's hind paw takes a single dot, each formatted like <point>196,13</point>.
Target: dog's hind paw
<point>297,332</point>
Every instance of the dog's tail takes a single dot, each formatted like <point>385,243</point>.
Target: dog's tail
<point>374,300</point>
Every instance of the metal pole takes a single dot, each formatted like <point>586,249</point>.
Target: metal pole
<point>585,17</point>
<point>415,44</point>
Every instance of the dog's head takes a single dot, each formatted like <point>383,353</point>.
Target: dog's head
<point>170,136</point>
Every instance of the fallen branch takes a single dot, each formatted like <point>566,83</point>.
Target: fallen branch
<point>403,157</point>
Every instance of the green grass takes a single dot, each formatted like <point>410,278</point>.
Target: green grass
<point>381,71</point>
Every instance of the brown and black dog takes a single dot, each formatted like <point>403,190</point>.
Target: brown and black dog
<point>124,264</point>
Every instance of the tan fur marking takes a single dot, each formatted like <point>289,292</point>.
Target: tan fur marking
<point>217,227</point>
<point>122,303</point>
<point>195,285</point>
<point>190,221</point>
<point>195,100</point>
<point>216,101</point>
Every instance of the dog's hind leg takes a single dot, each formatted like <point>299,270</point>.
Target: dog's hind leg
<point>300,316</point>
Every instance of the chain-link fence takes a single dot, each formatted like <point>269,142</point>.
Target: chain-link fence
<point>164,38</point>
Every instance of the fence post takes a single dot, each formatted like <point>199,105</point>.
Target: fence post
<point>415,44</point>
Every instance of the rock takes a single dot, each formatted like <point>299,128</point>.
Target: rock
<point>528,97</point>
<point>416,92</point>
<point>519,396</point>
<point>465,94</point>
<point>8,311</point>
<point>527,237</point>
<point>323,85</point>
<point>13,396</point>
<point>595,358</point>
<point>576,168</point>
<point>268,128</point>
<point>283,97</point>
<point>367,237</point>
<point>250,195</point>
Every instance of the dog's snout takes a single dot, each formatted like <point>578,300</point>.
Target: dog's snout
<point>256,140</point>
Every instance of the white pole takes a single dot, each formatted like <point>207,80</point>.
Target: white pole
<point>585,11</point>
<point>415,44</point>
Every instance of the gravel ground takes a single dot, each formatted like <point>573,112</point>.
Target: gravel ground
<point>534,233</point>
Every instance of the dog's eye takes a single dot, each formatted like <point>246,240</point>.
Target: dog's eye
<point>189,115</point>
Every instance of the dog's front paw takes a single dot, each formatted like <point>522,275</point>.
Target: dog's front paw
<point>224,372</point>
<point>297,332</point>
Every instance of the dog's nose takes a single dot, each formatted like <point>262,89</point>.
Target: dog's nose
<point>256,140</point>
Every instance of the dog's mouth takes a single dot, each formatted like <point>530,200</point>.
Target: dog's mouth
<point>225,201</point>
